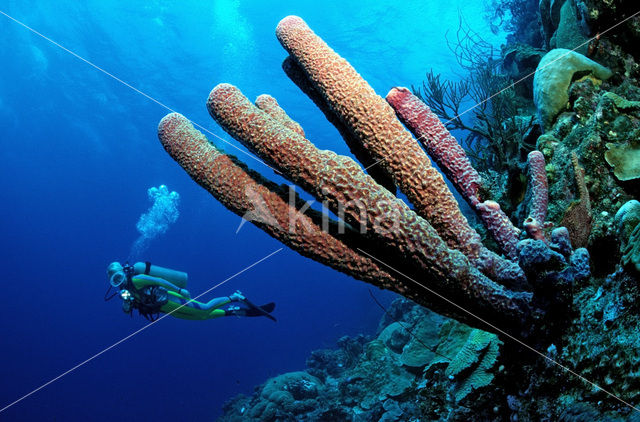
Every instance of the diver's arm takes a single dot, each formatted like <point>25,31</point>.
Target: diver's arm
<point>143,280</point>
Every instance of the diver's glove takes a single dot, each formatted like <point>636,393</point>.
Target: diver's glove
<point>184,293</point>
<point>237,297</point>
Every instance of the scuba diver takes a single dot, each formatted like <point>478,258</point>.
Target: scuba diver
<point>153,290</point>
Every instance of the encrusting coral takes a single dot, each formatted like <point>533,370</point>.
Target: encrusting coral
<point>434,243</point>
<point>625,160</point>
<point>553,77</point>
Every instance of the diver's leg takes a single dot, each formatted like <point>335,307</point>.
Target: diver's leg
<point>178,307</point>
<point>215,303</point>
<point>189,311</point>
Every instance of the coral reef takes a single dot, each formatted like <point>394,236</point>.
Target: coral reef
<point>445,370</point>
<point>584,191</point>
<point>602,15</point>
<point>387,375</point>
<point>567,284</point>
<point>564,24</point>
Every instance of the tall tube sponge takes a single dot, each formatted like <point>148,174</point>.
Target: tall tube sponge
<point>242,190</point>
<point>373,124</point>
<point>267,205</point>
<point>340,183</point>
<point>430,256</point>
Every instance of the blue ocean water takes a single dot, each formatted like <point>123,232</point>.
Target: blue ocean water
<point>79,151</point>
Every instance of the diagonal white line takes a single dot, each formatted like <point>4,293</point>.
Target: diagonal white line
<point>137,332</point>
<point>517,340</point>
<point>144,94</point>
<point>522,79</point>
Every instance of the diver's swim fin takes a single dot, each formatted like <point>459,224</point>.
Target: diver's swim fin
<point>264,310</point>
<point>269,307</point>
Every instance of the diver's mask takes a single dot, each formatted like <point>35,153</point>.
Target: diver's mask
<point>117,279</point>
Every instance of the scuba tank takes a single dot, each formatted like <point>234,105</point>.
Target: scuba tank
<point>178,278</point>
